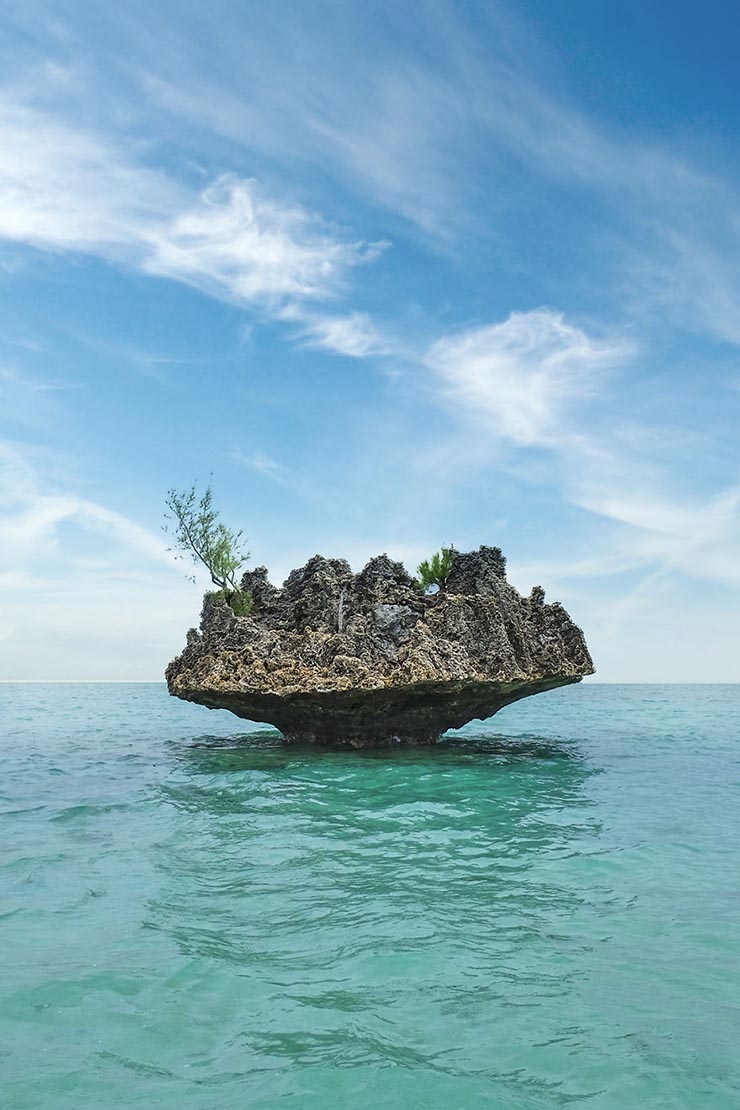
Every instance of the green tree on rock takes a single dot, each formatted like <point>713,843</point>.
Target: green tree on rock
<point>198,533</point>
<point>435,571</point>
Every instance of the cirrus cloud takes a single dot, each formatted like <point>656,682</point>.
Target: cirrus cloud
<point>518,376</point>
<point>66,189</point>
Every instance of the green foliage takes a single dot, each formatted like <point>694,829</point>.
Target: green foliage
<point>239,600</point>
<point>435,571</point>
<point>241,603</point>
<point>200,535</point>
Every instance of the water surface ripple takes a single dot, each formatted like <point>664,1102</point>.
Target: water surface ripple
<point>542,911</point>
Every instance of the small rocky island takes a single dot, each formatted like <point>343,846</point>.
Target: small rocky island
<point>368,660</point>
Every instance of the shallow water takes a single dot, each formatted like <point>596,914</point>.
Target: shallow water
<point>542,911</point>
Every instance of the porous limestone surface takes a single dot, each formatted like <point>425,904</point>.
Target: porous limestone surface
<point>365,660</point>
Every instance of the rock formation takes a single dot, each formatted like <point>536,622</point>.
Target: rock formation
<point>367,660</point>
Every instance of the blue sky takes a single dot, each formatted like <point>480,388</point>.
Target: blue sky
<point>396,275</point>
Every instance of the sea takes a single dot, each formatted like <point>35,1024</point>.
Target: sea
<point>541,911</point>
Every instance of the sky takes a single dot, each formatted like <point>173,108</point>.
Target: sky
<point>394,276</point>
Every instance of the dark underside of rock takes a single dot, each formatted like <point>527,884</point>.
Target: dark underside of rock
<point>367,660</point>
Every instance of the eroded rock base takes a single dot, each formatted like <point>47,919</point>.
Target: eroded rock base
<point>412,716</point>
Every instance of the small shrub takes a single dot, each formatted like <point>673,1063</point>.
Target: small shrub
<point>202,537</point>
<point>239,601</point>
<point>435,571</point>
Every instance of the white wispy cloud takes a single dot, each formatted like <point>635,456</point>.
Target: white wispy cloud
<point>64,614</point>
<point>64,188</point>
<point>699,538</point>
<point>241,245</point>
<point>525,379</point>
<point>263,464</point>
<point>28,399</point>
<point>32,509</point>
<point>355,334</point>
<point>520,375</point>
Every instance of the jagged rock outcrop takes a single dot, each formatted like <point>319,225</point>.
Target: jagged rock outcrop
<point>365,660</point>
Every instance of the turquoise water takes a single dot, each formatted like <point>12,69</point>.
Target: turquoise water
<point>543,911</point>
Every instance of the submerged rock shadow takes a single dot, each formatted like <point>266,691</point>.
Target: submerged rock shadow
<point>266,749</point>
<point>280,856</point>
